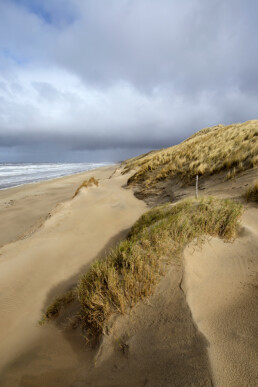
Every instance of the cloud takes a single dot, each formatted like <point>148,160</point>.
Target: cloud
<point>82,76</point>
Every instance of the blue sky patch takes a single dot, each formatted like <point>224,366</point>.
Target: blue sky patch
<point>57,14</point>
<point>14,57</point>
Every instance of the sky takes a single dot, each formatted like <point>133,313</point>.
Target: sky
<point>105,80</point>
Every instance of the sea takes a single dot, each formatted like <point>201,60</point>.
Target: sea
<point>14,174</point>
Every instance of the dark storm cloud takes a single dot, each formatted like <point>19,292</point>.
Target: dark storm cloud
<point>123,74</point>
<point>90,141</point>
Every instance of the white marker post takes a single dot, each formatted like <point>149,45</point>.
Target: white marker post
<point>196,187</point>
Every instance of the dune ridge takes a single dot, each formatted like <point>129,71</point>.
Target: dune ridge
<point>131,271</point>
<point>233,148</point>
<point>216,154</point>
<point>67,241</point>
<point>197,327</point>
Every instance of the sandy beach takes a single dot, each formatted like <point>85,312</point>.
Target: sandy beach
<point>197,329</point>
<point>25,208</point>
<point>128,193</point>
<point>44,263</point>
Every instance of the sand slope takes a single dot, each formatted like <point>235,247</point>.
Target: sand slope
<point>34,270</point>
<point>24,208</point>
<point>221,281</point>
<point>198,329</point>
<point>156,345</point>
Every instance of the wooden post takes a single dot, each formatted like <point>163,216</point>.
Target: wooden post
<point>196,187</point>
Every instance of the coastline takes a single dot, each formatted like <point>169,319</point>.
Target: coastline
<point>176,335</point>
<point>37,269</point>
<point>43,179</point>
<point>34,270</point>
<point>23,208</point>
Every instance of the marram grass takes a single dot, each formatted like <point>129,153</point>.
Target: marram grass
<point>251,194</point>
<point>232,148</point>
<point>62,301</point>
<point>132,270</point>
<point>86,183</point>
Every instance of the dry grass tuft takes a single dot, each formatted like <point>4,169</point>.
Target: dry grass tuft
<point>232,148</point>
<point>251,195</point>
<point>54,309</point>
<point>86,183</point>
<point>131,271</point>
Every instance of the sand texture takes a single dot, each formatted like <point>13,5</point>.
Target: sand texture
<point>198,329</point>
<point>157,344</point>
<point>36,269</point>
<point>25,208</point>
<point>221,281</point>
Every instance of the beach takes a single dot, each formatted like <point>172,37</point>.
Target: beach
<point>24,208</point>
<point>189,332</point>
<point>128,193</point>
<point>62,240</point>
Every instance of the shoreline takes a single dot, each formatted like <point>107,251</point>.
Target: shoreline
<point>25,206</point>
<point>58,177</point>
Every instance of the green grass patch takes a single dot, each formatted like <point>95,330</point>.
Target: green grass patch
<point>132,270</point>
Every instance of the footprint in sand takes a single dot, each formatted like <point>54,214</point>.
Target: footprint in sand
<point>9,204</point>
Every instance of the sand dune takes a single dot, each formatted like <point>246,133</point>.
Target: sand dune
<point>36,269</point>
<point>157,344</point>
<point>25,208</point>
<point>197,329</point>
<point>221,286</point>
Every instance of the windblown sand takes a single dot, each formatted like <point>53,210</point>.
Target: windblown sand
<point>197,329</point>
<point>36,269</point>
<point>221,281</point>
<point>25,208</point>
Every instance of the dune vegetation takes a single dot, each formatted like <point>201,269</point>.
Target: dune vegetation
<point>131,271</point>
<point>59,303</point>
<point>85,184</point>
<point>251,194</point>
<point>232,149</point>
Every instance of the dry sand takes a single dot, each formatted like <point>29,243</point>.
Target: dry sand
<point>36,269</point>
<point>156,345</point>
<point>221,281</point>
<point>24,208</point>
<point>206,308</point>
<point>215,185</point>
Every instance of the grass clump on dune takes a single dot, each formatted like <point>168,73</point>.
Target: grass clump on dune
<point>60,302</point>
<point>251,194</point>
<point>86,183</point>
<point>232,148</point>
<point>131,271</point>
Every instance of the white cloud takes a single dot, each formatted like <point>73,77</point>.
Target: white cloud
<point>145,73</point>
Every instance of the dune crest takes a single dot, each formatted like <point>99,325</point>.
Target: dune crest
<point>196,327</point>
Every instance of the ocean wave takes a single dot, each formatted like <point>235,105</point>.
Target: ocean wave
<point>15,174</point>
